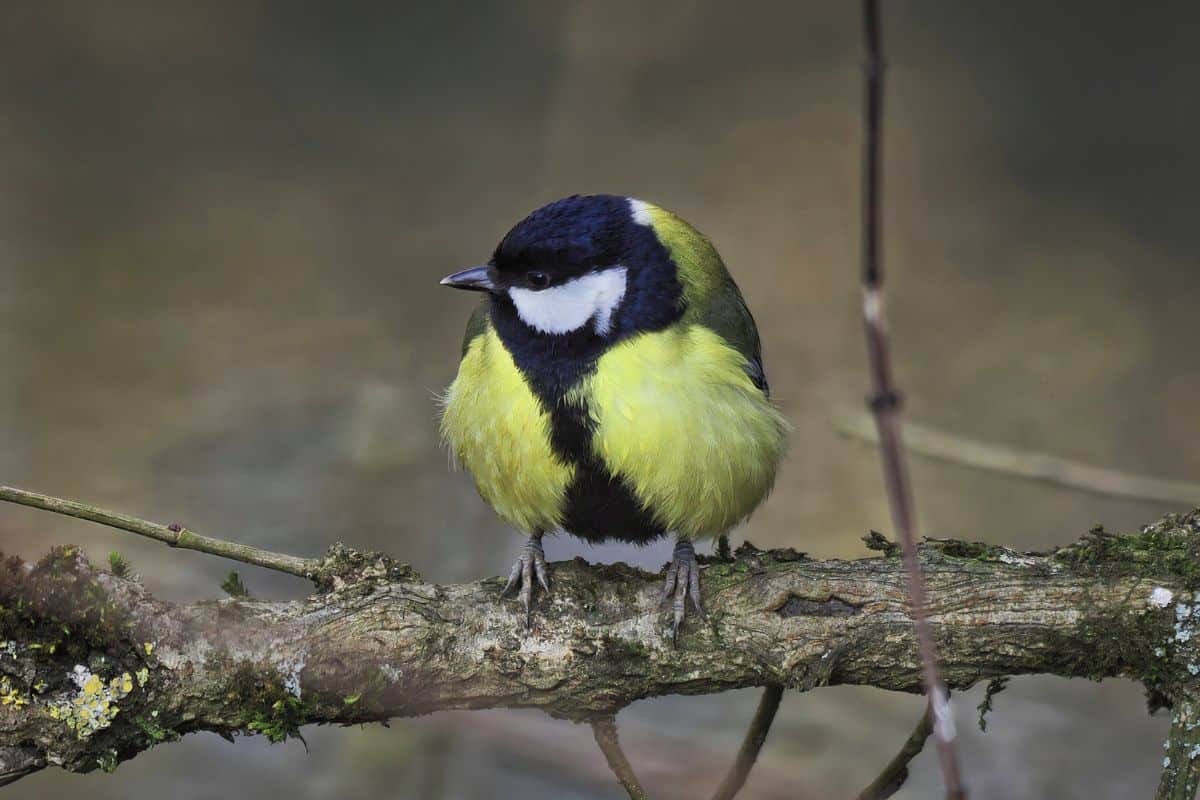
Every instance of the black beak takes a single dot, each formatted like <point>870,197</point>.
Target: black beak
<point>475,279</point>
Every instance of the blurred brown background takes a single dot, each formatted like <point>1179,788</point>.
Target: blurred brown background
<point>222,226</point>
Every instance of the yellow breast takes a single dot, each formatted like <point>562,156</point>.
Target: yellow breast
<point>498,430</point>
<point>678,417</point>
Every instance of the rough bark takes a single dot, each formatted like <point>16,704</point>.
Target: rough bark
<point>94,670</point>
<point>1181,760</point>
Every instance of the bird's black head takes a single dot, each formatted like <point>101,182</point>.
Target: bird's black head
<point>581,268</point>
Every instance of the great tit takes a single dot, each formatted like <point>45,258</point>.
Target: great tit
<point>612,387</point>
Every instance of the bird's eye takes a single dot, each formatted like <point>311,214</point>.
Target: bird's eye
<point>537,280</point>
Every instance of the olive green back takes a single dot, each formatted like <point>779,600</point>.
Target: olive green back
<point>711,297</point>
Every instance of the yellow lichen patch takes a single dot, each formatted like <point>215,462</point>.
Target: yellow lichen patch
<point>10,695</point>
<point>95,705</point>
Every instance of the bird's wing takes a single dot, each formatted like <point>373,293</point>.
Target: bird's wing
<point>726,314</point>
<point>710,296</point>
<point>477,324</point>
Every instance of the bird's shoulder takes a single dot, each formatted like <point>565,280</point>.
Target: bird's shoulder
<point>727,315</point>
<point>710,296</point>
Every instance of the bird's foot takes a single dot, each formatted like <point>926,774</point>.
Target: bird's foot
<point>683,581</point>
<point>529,565</point>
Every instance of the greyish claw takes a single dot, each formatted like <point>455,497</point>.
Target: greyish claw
<point>683,581</point>
<point>529,565</point>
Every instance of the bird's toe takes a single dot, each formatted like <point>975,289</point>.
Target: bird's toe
<point>541,571</point>
<point>530,567</point>
<point>682,583</point>
<point>668,589</point>
<point>514,578</point>
<point>694,589</point>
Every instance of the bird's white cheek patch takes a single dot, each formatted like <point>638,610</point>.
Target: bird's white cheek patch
<point>566,308</point>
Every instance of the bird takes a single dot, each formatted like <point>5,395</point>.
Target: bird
<point>611,386</point>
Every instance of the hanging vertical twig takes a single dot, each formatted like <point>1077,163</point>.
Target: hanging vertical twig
<point>605,731</point>
<point>756,736</point>
<point>891,779</point>
<point>884,403</point>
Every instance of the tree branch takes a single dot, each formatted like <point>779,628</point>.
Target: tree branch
<point>1181,761</point>
<point>173,535</point>
<point>756,737</point>
<point>605,731</point>
<point>93,669</point>
<point>895,773</point>
<point>1029,464</point>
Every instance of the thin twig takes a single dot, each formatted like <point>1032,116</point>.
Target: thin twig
<point>955,449</point>
<point>605,731</point>
<point>893,776</point>
<point>735,779</point>
<point>885,403</point>
<point>173,535</point>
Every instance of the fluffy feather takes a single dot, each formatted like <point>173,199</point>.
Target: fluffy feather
<point>499,431</point>
<point>678,417</point>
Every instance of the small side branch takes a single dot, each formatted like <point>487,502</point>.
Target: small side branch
<point>955,449</point>
<point>173,535</point>
<point>756,736</point>
<point>1181,762</point>
<point>605,731</point>
<point>895,773</point>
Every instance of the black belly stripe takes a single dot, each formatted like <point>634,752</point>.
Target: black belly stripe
<point>600,506</point>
